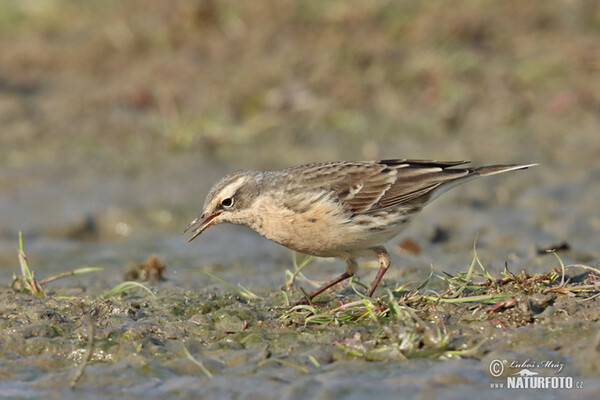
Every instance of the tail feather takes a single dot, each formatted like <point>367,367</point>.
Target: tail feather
<point>498,169</point>
<point>475,173</point>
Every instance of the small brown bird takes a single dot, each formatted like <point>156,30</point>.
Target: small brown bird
<point>345,209</point>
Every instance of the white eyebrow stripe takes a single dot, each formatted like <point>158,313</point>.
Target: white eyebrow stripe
<point>233,187</point>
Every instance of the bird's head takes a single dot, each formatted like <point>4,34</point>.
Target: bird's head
<point>229,200</point>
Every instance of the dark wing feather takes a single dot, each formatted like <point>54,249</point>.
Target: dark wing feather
<point>418,181</point>
<point>364,187</point>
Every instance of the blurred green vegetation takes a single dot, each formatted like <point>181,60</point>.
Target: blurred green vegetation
<point>285,82</point>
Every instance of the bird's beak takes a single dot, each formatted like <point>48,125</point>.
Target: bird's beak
<point>201,223</point>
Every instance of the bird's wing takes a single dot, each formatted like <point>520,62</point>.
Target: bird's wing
<point>417,180</point>
<point>365,187</point>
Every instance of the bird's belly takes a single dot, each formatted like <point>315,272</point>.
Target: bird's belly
<point>324,231</point>
<point>335,241</point>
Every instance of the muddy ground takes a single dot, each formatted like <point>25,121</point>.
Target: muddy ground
<point>116,117</point>
<point>182,343</point>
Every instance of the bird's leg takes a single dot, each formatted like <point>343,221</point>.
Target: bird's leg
<point>351,268</point>
<point>384,261</point>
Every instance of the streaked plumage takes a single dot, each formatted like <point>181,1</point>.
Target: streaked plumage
<point>345,209</point>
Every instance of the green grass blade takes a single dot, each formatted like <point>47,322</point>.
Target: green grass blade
<point>562,266</point>
<point>196,362</point>
<point>25,271</point>
<point>237,291</point>
<point>78,271</point>
<point>247,293</point>
<point>124,286</point>
<point>492,298</point>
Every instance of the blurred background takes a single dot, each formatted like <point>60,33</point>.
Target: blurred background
<point>117,116</point>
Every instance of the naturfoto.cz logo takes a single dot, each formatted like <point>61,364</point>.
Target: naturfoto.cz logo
<point>526,378</point>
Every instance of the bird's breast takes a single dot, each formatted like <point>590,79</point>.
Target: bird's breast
<point>311,228</point>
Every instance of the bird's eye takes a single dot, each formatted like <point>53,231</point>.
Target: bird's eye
<point>228,202</point>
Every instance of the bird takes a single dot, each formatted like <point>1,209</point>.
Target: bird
<point>342,209</point>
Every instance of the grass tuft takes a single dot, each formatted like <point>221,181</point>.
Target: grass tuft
<point>26,282</point>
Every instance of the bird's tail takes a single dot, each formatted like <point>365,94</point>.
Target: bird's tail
<point>472,173</point>
<point>498,169</point>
